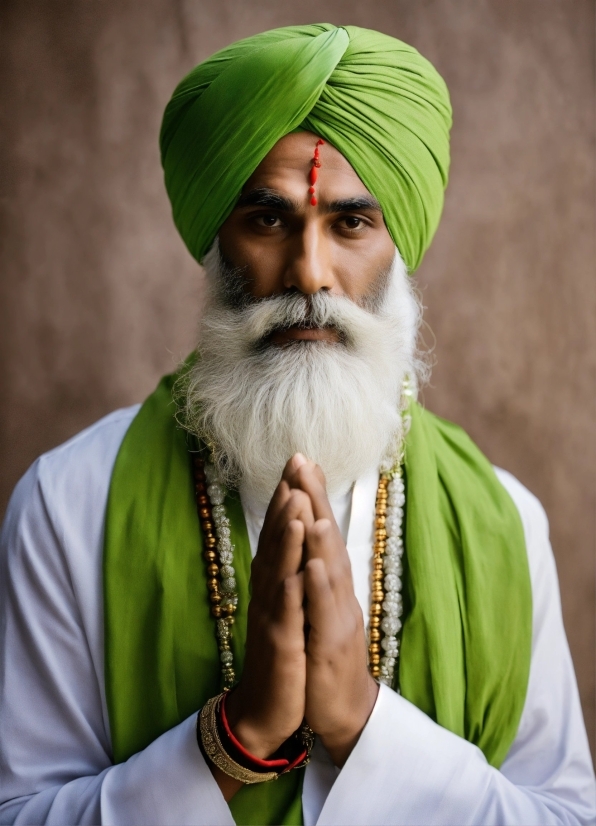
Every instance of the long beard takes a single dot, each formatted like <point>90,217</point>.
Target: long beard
<point>339,403</point>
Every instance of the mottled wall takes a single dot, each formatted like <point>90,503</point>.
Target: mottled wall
<point>99,297</point>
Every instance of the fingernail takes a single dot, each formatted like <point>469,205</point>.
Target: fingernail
<point>299,459</point>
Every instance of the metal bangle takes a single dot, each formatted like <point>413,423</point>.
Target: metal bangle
<point>213,748</point>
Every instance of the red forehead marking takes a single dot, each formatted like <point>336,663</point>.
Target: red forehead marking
<point>314,174</point>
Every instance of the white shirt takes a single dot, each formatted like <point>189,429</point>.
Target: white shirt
<point>55,763</point>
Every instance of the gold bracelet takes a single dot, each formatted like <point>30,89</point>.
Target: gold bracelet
<point>212,745</point>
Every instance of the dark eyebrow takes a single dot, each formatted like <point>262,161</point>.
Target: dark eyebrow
<point>264,197</point>
<point>354,204</point>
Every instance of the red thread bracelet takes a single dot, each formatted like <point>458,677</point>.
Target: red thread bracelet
<point>253,762</point>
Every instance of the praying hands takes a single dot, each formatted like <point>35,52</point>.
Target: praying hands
<point>306,644</point>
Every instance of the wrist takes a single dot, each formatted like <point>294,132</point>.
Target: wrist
<point>341,741</point>
<point>252,736</point>
<point>340,748</point>
<point>224,751</point>
<point>255,740</point>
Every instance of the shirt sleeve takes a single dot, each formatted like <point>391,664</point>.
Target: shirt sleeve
<point>55,751</point>
<point>406,769</point>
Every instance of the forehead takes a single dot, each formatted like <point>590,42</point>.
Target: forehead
<point>287,166</point>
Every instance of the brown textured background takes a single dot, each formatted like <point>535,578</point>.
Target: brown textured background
<point>98,296</point>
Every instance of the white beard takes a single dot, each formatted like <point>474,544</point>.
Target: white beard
<point>257,404</point>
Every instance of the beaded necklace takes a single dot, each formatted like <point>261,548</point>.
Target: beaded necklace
<point>386,602</point>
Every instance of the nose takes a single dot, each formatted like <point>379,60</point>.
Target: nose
<point>310,268</point>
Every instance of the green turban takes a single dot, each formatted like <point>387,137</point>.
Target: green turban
<point>374,98</point>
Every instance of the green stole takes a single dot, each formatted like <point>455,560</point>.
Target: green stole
<point>466,640</point>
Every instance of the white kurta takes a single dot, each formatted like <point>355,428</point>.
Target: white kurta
<point>55,764</point>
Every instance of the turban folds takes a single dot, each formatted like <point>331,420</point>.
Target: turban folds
<point>374,98</point>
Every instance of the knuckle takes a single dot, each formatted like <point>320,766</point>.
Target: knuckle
<point>279,639</point>
<point>313,566</point>
<point>275,635</point>
<point>321,528</point>
<point>297,498</point>
<point>294,526</point>
<point>289,587</point>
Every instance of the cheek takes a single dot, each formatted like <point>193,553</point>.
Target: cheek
<point>230,245</point>
<point>385,249</point>
<point>262,262</point>
<point>361,272</point>
<point>380,262</point>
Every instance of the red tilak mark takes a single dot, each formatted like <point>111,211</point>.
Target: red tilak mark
<point>313,174</point>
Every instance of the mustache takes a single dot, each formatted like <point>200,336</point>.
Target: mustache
<point>306,312</point>
<point>261,318</point>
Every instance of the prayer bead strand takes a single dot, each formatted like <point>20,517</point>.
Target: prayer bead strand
<point>219,556</point>
<point>377,595</point>
<point>392,567</point>
<point>386,602</point>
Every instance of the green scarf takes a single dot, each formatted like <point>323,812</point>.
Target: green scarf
<point>466,640</point>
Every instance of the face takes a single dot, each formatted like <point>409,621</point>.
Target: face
<point>282,243</point>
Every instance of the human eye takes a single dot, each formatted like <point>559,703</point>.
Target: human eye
<point>268,220</point>
<point>352,223</point>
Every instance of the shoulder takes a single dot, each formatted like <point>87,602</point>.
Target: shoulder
<point>51,544</point>
<point>546,598</point>
<point>94,448</point>
<point>551,725</point>
<point>68,484</point>
<point>88,456</point>
<point>532,513</point>
<point>51,588</point>
<point>535,525</point>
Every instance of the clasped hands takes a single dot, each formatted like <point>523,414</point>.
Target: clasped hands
<point>306,651</point>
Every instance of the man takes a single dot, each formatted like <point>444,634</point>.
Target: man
<point>402,604</point>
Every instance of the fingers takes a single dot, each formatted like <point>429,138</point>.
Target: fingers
<point>292,465</point>
<point>319,537</point>
<point>290,550</point>
<point>305,475</point>
<point>300,496</point>
<point>279,513</point>
<point>326,541</point>
<point>300,464</point>
<point>310,478</point>
<point>320,599</point>
<point>273,547</point>
<point>282,492</point>
<point>278,500</point>
<point>293,601</point>
<point>297,506</point>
